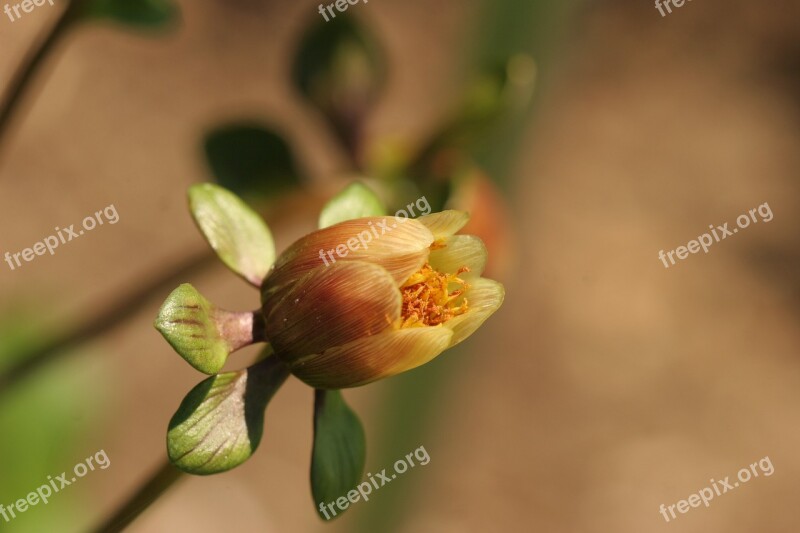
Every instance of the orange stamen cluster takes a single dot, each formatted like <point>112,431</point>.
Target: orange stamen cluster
<point>427,300</point>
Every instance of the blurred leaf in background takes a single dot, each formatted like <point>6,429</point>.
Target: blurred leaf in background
<point>20,334</point>
<point>340,69</point>
<point>251,160</point>
<point>507,28</point>
<point>45,421</point>
<point>143,14</point>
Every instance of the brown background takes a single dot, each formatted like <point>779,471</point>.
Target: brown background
<point>606,385</point>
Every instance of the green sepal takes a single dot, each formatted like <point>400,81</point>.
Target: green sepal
<point>203,334</point>
<point>340,449</point>
<point>238,234</point>
<point>355,201</point>
<point>220,422</point>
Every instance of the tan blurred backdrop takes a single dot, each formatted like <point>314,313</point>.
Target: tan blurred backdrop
<point>606,385</point>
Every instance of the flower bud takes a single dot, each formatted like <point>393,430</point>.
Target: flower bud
<point>342,309</point>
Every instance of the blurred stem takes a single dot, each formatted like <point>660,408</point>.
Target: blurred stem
<point>508,27</point>
<point>110,318</point>
<point>504,27</point>
<point>349,131</point>
<point>21,79</point>
<point>149,492</point>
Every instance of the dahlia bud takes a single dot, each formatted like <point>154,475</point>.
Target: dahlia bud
<point>373,297</point>
<point>354,302</point>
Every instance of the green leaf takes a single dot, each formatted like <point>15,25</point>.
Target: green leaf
<point>340,448</point>
<point>200,332</point>
<point>340,69</point>
<point>251,161</point>
<point>219,424</point>
<point>237,233</point>
<point>147,14</point>
<point>355,201</point>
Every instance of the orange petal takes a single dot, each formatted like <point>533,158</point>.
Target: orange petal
<point>331,306</point>
<point>460,251</point>
<point>371,358</point>
<point>485,296</point>
<point>398,245</point>
<point>445,223</point>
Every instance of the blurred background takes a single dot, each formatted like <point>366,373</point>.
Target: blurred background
<point>605,386</point>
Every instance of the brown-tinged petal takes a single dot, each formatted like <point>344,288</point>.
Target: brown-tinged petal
<point>444,223</point>
<point>484,296</point>
<point>460,251</point>
<point>370,358</point>
<point>331,306</point>
<point>398,245</point>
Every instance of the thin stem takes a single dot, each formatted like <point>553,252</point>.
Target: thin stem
<point>108,320</point>
<point>30,66</point>
<point>149,492</point>
<point>349,131</point>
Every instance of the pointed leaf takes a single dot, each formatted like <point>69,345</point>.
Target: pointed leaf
<point>200,332</point>
<point>237,233</point>
<point>250,160</point>
<point>355,201</point>
<point>219,424</point>
<point>148,14</point>
<point>340,69</point>
<point>339,454</point>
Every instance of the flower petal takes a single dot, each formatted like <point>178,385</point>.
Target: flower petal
<point>444,223</point>
<point>484,297</point>
<point>331,306</point>
<point>400,246</point>
<point>370,358</point>
<point>459,251</point>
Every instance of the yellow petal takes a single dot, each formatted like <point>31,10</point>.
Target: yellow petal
<point>444,223</point>
<point>331,306</point>
<point>459,251</point>
<point>398,245</point>
<point>371,358</point>
<point>484,297</point>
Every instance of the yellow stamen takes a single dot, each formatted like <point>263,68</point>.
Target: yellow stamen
<point>427,300</point>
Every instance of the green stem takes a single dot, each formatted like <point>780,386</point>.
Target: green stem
<point>149,492</point>
<point>30,66</point>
